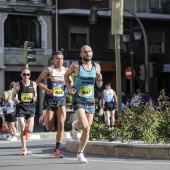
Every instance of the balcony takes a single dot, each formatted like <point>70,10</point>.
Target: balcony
<point>33,1</point>
<point>82,4</point>
<point>148,6</point>
<point>40,7</point>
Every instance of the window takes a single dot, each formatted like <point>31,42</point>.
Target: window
<point>18,29</point>
<point>155,47</point>
<point>156,41</point>
<point>142,5</point>
<point>78,37</point>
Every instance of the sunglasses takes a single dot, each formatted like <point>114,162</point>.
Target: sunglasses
<point>24,74</point>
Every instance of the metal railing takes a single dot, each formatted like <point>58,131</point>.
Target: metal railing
<point>148,6</point>
<point>33,1</point>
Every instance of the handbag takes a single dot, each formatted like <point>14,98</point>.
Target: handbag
<point>3,129</point>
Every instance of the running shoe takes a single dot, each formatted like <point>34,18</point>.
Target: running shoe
<point>58,153</point>
<point>27,134</point>
<point>23,152</point>
<point>42,120</point>
<point>81,158</point>
<point>8,137</point>
<point>13,138</point>
<point>73,132</point>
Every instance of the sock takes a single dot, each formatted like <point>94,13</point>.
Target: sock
<point>79,152</point>
<point>75,128</point>
<point>58,145</point>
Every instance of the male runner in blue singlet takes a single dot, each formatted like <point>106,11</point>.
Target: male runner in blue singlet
<point>86,74</point>
<point>55,100</point>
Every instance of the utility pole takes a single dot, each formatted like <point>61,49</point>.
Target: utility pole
<point>117,30</point>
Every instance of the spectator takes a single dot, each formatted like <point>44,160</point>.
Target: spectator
<point>9,114</point>
<point>136,99</point>
<point>124,100</point>
<point>109,102</point>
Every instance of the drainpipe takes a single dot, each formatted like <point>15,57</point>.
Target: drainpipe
<point>56,25</point>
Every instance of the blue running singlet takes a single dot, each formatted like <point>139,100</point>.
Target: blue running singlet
<point>84,85</point>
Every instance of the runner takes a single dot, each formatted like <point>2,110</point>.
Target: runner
<point>86,73</point>
<point>26,92</point>
<point>55,100</point>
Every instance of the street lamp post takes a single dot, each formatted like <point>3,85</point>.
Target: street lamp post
<point>147,83</point>
<point>116,10</point>
<point>131,38</point>
<point>132,67</point>
<point>117,30</point>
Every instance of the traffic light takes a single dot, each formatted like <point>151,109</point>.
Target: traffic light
<point>28,51</point>
<point>142,72</point>
<point>155,69</point>
<point>93,16</point>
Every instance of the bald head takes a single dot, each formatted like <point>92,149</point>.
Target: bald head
<point>86,53</point>
<point>85,47</point>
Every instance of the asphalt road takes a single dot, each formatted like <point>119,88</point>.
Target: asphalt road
<point>40,157</point>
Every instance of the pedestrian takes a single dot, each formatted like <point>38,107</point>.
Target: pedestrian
<point>109,103</point>
<point>24,96</point>
<point>124,101</point>
<point>86,73</point>
<point>9,115</point>
<point>136,99</point>
<point>55,100</point>
<point>11,88</point>
<point>163,100</point>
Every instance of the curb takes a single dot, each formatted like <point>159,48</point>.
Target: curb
<point>157,151</point>
<point>115,148</point>
<point>38,135</point>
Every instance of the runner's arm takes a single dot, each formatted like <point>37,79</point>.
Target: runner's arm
<point>99,80</point>
<point>66,78</point>
<point>40,79</point>
<point>35,90</point>
<point>15,92</point>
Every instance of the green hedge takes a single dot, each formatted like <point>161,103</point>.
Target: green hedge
<point>150,125</point>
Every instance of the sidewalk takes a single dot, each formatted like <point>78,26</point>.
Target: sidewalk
<point>38,133</point>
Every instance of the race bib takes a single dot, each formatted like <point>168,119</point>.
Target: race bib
<point>58,91</point>
<point>26,97</point>
<point>86,91</point>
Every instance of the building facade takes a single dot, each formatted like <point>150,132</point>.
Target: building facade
<point>64,25</point>
<point>20,21</point>
<point>75,30</point>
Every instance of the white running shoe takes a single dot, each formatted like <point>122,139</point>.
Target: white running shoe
<point>13,138</point>
<point>81,158</point>
<point>9,137</point>
<point>73,132</point>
